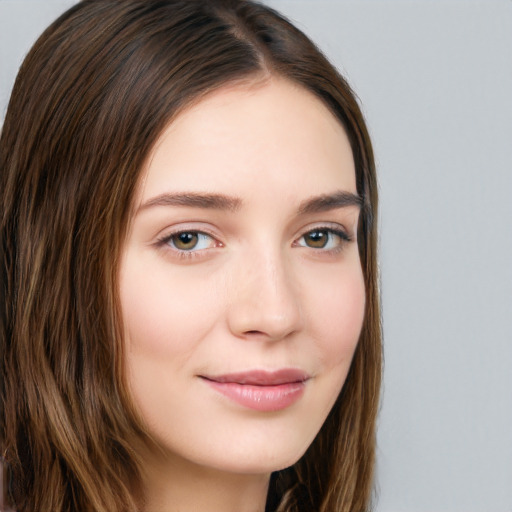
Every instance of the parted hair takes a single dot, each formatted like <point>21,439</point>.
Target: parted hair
<point>90,100</point>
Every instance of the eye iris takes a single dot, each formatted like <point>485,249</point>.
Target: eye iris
<point>185,241</point>
<point>316,239</point>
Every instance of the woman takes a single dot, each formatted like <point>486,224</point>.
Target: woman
<point>190,315</point>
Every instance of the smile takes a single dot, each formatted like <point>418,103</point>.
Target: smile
<point>261,390</point>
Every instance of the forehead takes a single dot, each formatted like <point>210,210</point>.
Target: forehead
<point>237,138</point>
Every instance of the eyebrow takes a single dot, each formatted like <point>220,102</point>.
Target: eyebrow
<point>326,202</point>
<point>318,204</point>
<point>195,200</point>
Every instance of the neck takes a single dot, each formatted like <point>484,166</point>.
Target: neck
<point>175,484</point>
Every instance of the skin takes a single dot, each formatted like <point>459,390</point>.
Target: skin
<point>257,291</point>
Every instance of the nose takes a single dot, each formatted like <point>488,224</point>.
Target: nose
<point>265,300</point>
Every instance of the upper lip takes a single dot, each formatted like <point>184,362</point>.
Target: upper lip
<point>261,377</point>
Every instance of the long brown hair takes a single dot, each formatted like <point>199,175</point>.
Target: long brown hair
<point>90,100</point>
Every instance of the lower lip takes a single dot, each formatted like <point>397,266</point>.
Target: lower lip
<point>260,398</point>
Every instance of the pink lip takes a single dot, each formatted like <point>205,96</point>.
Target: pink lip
<point>261,390</point>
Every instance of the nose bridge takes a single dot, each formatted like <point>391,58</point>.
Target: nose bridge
<point>265,301</point>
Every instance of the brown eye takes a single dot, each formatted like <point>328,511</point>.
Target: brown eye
<point>317,239</point>
<point>185,241</point>
<point>323,238</point>
<point>190,241</point>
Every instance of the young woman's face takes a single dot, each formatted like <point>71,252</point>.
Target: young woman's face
<point>241,287</point>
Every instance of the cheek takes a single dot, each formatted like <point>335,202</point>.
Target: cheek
<point>164,313</point>
<point>337,314</point>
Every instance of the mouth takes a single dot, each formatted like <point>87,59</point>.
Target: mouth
<point>261,390</point>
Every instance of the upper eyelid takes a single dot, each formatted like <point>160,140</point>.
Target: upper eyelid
<point>173,231</point>
<point>327,226</point>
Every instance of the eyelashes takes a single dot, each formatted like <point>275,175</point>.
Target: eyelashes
<point>323,238</point>
<point>188,244</point>
<point>191,243</point>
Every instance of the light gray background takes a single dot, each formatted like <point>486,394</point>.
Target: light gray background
<point>435,81</point>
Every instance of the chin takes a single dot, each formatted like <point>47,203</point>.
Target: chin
<point>258,456</point>
<point>256,465</point>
